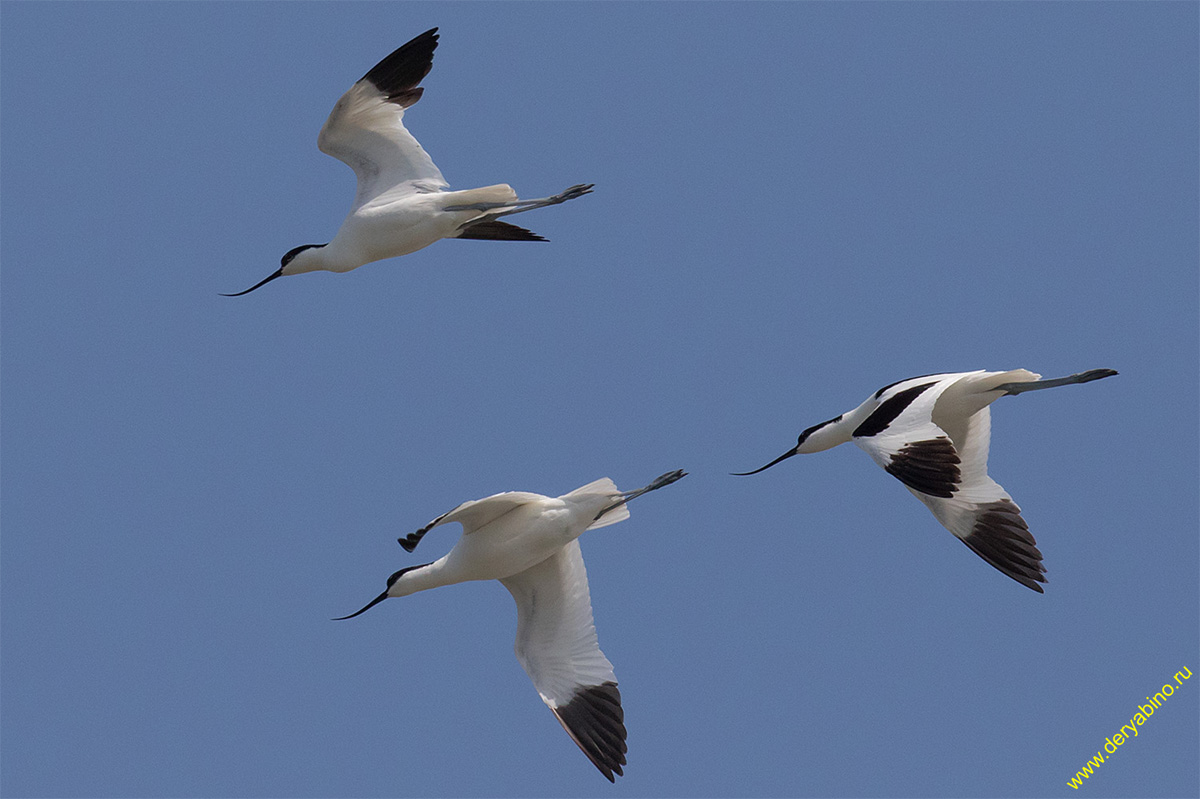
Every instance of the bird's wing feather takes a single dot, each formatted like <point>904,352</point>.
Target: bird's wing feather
<point>495,230</point>
<point>557,646</point>
<point>981,513</point>
<point>901,437</point>
<point>996,532</point>
<point>366,131</point>
<point>474,514</point>
<point>954,484</point>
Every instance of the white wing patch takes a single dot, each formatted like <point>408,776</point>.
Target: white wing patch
<point>474,514</point>
<point>557,646</point>
<point>367,133</point>
<point>556,637</point>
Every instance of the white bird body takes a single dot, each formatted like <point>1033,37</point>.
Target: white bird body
<point>529,543</point>
<point>402,203</point>
<point>527,529</point>
<point>932,433</point>
<point>390,226</point>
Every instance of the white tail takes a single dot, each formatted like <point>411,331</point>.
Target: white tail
<point>604,487</point>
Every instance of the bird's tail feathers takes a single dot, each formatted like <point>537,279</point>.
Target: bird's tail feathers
<point>606,488</point>
<point>991,381</point>
<point>612,516</point>
<point>500,193</point>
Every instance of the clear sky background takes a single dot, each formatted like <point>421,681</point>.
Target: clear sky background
<point>795,204</point>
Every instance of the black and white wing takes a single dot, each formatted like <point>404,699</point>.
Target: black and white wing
<point>951,477</point>
<point>474,514</point>
<point>557,646</point>
<point>366,131</point>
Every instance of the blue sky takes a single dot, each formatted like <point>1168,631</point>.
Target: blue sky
<point>795,204</point>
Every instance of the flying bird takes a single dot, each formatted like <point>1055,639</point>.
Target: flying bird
<point>529,543</point>
<point>402,203</point>
<point>932,433</point>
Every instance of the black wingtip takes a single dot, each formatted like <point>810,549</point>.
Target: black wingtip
<point>259,284</point>
<point>596,723</point>
<point>1001,537</point>
<point>408,544</point>
<point>398,74</point>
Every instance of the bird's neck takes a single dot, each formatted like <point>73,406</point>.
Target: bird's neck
<point>826,438</point>
<point>331,257</point>
<point>829,434</point>
<point>422,578</point>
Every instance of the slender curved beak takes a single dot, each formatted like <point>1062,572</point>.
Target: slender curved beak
<point>782,457</point>
<point>368,606</point>
<point>263,282</point>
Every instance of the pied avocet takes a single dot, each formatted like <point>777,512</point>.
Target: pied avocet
<point>529,543</point>
<point>402,203</point>
<point>932,433</point>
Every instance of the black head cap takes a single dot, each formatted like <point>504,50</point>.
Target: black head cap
<point>287,259</point>
<point>292,253</point>
<point>391,580</point>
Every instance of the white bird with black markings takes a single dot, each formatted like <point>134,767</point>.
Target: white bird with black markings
<point>932,434</point>
<point>402,203</point>
<point>529,543</point>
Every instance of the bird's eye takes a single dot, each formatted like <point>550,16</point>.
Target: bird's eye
<point>292,253</point>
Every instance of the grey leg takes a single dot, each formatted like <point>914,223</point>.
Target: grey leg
<point>1082,377</point>
<point>659,482</point>
<point>526,205</point>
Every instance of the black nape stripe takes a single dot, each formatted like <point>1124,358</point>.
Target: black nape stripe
<point>292,253</point>
<point>808,432</point>
<point>403,571</point>
<point>930,467</point>
<point>886,413</point>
